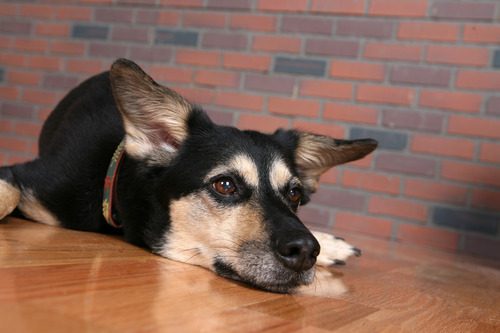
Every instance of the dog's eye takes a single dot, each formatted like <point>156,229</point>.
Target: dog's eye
<point>225,186</point>
<point>295,195</point>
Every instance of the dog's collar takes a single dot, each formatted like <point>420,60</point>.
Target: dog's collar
<point>110,186</point>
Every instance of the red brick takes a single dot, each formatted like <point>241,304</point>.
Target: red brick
<point>183,3</point>
<point>407,8</point>
<point>368,28</point>
<point>434,191</point>
<point>204,20</point>
<point>19,110</point>
<point>43,62</point>
<point>351,7</point>
<point>490,152</point>
<point>435,31</point>
<point>28,129</point>
<point>262,123</point>
<point>352,113</point>
<point>224,40</point>
<point>239,100</point>
<point>293,107</point>
<point>197,95</point>
<point>168,18</point>
<point>197,57</point>
<point>253,22</point>
<point>448,100</point>
<point>282,5</point>
<point>373,226</point>
<point>276,44</point>
<point>480,127</point>
<point>331,130</point>
<point>385,94</point>
<point>442,146</point>
<point>30,45</point>
<point>357,70</point>
<point>457,55</point>
<point>70,48</point>
<point>470,79</point>
<point>398,207</point>
<point>8,9</point>
<point>43,97</point>
<point>331,176</point>
<point>217,78</point>
<point>366,162</point>
<point>408,119</point>
<point>470,173</point>
<point>24,78</point>
<point>113,14</point>
<point>87,66</point>
<point>420,235</point>
<point>482,198</point>
<point>482,33</point>
<point>385,51</point>
<point>37,11</point>
<point>11,143</point>
<point>371,181</point>
<point>172,74</point>
<point>252,62</point>
<point>52,29</point>
<point>10,93</point>
<point>12,59</point>
<point>73,13</point>
<point>326,89</point>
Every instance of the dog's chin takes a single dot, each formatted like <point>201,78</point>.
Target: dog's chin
<point>266,273</point>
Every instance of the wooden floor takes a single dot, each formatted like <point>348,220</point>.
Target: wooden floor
<point>56,280</point>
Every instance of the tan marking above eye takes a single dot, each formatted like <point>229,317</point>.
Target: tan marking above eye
<point>243,165</point>
<point>280,175</point>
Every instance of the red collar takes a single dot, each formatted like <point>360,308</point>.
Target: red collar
<point>110,186</point>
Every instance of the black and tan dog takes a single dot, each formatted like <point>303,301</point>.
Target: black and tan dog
<point>183,187</point>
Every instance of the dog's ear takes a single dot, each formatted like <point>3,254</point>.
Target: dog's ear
<point>315,154</point>
<point>155,117</point>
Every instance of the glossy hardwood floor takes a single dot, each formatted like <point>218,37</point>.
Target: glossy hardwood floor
<point>56,280</point>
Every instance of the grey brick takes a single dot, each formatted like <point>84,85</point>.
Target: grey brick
<point>427,76</point>
<point>225,41</point>
<point>265,83</point>
<point>2,74</point>
<point>312,25</point>
<point>412,120</point>
<point>89,31</point>
<point>493,106</point>
<point>300,66</point>
<point>365,28</point>
<point>456,10</point>
<point>496,59</point>
<point>462,219</point>
<point>176,37</point>
<point>410,165</point>
<point>386,139</point>
<point>15,27</point>
<point>482,246</point>
<point>339,198</point>
<point>340,48</point>
<point>230,4</point>
<point>59,81</point>
<point>18,110</point>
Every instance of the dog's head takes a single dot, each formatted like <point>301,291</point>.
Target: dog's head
<point>229,197</point>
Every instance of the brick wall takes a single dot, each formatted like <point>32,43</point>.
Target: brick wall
<point>421,76</point>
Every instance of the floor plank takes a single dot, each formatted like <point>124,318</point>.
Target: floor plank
<point>59,280</point>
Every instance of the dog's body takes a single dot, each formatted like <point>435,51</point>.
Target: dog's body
<point>186,188</point>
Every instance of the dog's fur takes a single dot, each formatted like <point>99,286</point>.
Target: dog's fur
<point>187,189</point>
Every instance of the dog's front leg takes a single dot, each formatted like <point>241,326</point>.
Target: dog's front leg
<point>334,250</point>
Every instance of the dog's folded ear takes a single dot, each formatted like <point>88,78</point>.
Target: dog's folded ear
<point>315,154</point>
<point>155,117</point>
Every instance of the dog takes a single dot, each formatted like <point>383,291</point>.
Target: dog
<point>123,154</point>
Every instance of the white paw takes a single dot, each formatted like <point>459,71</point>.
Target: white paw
<point>334,251</point>
<point>9,198</point>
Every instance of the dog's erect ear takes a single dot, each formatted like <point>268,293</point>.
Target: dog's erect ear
<point>155,117</point>
<point>314,154</point>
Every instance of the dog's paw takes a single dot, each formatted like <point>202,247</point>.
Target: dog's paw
<point>9,198</point>
<point>334,250</point>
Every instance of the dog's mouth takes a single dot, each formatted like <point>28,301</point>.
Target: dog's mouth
<point>261,269</point>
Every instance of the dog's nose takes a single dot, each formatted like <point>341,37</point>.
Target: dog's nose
<point>299,253</point>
